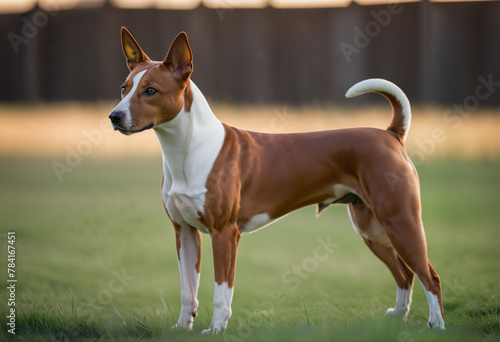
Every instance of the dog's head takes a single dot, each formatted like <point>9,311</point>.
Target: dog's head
<point>154,92</point>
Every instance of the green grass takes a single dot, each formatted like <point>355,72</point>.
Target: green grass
<point>106,218</point>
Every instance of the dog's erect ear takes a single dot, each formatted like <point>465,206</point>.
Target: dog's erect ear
<point>132,51</point>
<point>179,58</point>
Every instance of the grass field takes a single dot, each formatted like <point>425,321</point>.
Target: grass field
<point>95,260</point>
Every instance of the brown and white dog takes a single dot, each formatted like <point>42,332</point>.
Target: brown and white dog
<point>224,181</point>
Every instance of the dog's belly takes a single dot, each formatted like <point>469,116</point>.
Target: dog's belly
<point>257,222</point>
<point>323,199</point>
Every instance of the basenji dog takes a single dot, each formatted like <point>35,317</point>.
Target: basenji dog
<point>225,182</point>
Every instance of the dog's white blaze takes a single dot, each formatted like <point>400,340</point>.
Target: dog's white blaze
<point>435,318</point>
<point>403,302</point>
<point>384,86</point>
<point>223,296</point>
<point>124,105</point>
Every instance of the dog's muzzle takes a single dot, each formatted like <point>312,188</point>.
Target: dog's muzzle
<point>116,117</point>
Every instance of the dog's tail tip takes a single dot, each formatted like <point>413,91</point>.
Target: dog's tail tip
<point>401,110</point>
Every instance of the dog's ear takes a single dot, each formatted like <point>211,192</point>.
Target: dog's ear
<point>132,51</point>
<point>179,58</point>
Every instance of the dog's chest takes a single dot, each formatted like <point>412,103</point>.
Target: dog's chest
<point>185,209</point>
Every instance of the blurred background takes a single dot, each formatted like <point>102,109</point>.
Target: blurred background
<point>84,201</point>
<point>254,51</point>
<point>252,60</point>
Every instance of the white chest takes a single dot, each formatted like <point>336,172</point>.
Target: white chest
<point>190,144</point>
<point>185,209</point>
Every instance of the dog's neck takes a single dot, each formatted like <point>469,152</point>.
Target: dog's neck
<point>190,144</point>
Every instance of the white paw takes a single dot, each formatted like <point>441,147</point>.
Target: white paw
<point>181,326</point>
<point>398,312</point>
<point>219,323</point>
<point>435,318</point>
<point>436,322</point>
<point>185,320</point>
<point>210,331</point>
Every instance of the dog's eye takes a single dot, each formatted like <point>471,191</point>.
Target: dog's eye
<point>150,91</point>
<point>124,89</point>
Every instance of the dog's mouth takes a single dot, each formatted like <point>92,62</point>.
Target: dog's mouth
<point>133,130</point>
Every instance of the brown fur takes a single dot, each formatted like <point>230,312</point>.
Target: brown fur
<point>274,174</point>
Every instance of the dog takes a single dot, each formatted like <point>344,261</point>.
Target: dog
<point>225,182</point>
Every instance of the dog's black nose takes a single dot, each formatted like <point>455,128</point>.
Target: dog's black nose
<point>116,117</point>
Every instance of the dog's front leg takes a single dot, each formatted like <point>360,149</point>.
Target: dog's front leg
<point>225,248</point>
<point>188,243</point>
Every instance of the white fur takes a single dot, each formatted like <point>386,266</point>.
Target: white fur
<point>190,143</point>
<point>374,232</point>
<point>435,318</point>
<point>383,86</point>
<point>223,296</point>
<point>124,105</point>
<point>190,278</point>
<point>256,222</point>
<point>356,228</point>
<point>411,167</point>
<point>403,302</point>
<point>339,191</point>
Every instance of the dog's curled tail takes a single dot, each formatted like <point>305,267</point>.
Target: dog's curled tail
<point>401,111</point>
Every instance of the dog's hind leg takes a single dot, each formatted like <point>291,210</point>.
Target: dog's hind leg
<point>375,238</point>
<point>412,248</point>
<point>402,223</point>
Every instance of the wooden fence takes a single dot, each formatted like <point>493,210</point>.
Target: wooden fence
<point>447,53</point>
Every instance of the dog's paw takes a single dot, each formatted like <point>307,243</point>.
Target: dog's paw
<point>185,320</point>
<point>398,312</point>
<point>188,326</point>
<point>211,331</point>
<point>436,322</point>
